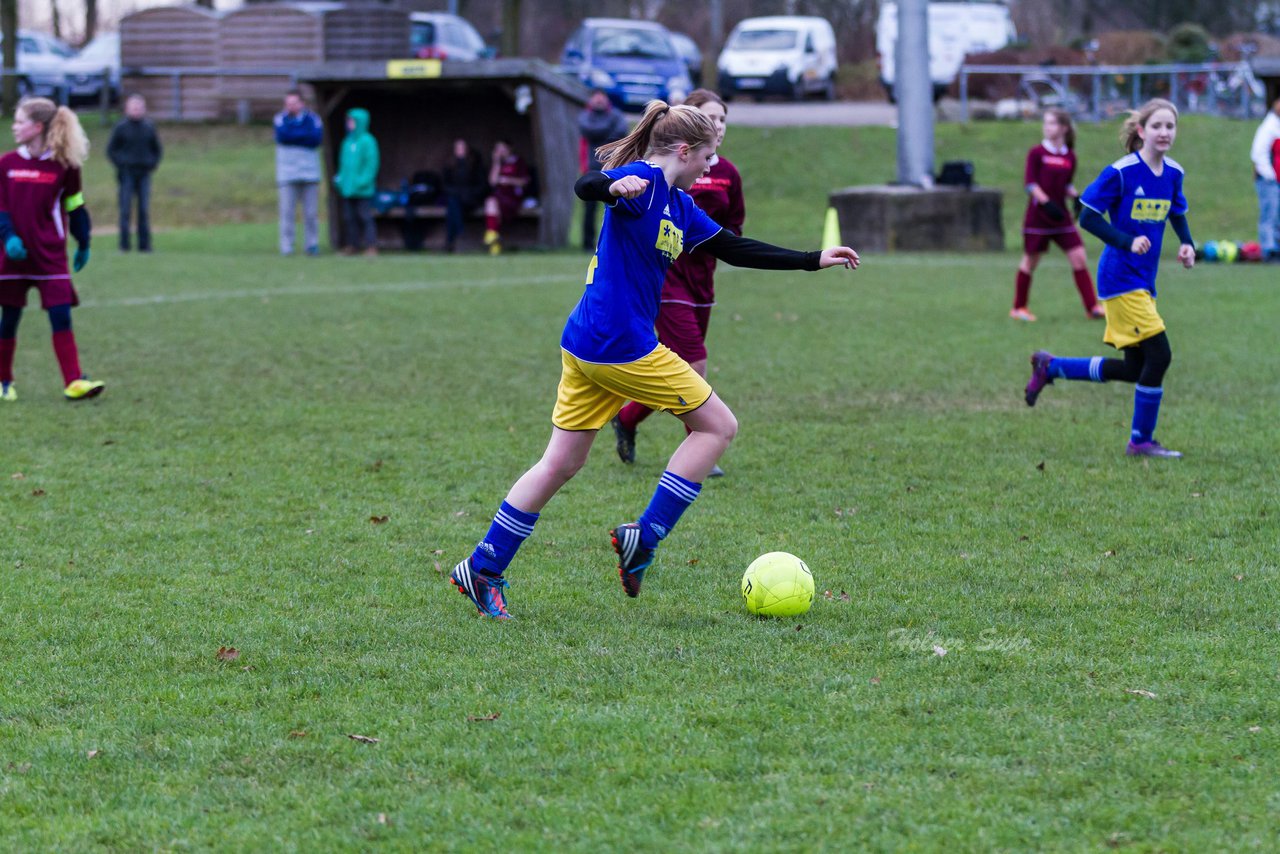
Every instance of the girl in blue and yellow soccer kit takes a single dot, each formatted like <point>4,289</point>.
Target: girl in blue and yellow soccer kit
<point>610,353</point>
<point>1139,192</point>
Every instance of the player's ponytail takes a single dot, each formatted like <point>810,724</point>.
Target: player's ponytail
<point>1138,118</point>
<point>662,128</point>
<point>63,134</point>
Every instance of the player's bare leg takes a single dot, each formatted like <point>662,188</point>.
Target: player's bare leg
<point>565,455</point>
<point>714,426</point>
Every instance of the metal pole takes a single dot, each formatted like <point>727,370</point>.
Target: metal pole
<point>1096,107</point>
<point>104,97</point>
<point>177,96</point>
<point>710,73</point>
<point>964,94</point>
<point>1135,98</point>
<point>914,88</point>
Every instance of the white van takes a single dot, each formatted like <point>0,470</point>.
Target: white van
<point>786,55</point>
<point>955,30</point>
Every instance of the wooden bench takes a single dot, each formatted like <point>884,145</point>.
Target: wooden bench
<point>521,232</point>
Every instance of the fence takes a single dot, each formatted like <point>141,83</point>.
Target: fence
<point>177,88</point>
<point>1099,92</point>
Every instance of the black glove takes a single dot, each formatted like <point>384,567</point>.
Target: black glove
<point>1054,211</point>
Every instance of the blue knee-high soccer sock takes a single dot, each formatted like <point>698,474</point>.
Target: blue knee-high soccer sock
<point>1077,369</point>
<point>1146,409</point>
<point>509,529</point>
<point>672,497</point>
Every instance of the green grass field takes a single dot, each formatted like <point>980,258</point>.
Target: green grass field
<point>1110,677</point>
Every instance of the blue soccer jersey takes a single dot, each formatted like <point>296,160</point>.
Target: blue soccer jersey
<point>1138,202</point>
<point>639,239</point>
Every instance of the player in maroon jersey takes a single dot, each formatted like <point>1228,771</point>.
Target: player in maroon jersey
<point>688,293</point>
<point>508,180</point>
<point>1050,167</point>
<point>40,200</point>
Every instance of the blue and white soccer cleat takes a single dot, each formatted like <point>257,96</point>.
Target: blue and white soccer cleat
<point>484,591</point>
<point>633,557</point>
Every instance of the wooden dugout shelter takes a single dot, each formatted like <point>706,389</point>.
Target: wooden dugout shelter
<point>175,53</point>
<point>419,107</point>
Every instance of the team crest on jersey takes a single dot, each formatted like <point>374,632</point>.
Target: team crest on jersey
<point>1150,210</point>
<point>670,240</point>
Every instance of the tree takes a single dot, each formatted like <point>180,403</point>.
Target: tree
<point>90,20</point>
<point>511,27</point>
<point>9,50</point>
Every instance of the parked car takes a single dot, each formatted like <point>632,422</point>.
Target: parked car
<point>633,62</point>
<point>788,55</point>
<point>688,50</point>
<point>955,30</point>
<point>97,65</point>
<point>40,61</point>
<point>438,35</point>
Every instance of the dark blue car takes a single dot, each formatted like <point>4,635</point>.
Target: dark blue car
<point>633,62</point>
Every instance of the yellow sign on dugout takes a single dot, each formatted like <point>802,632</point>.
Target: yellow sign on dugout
<point>397,68</point>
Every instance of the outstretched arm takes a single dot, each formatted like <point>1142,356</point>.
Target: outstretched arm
<point>745,252</point>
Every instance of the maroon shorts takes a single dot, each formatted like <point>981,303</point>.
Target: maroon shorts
<point>1037,244</point>
<point>53,292</point>
<point>683,328</point>
<point>508,206</point>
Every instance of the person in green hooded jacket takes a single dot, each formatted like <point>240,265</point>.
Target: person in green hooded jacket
<point>355,182</point>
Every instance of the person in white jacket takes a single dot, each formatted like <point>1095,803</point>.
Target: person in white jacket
<point>1264,155</point>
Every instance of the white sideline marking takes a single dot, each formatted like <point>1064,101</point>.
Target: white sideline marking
<point>317,290</point>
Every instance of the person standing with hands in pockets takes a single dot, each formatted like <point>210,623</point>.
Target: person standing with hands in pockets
<point>39,183</point>
<point>134,149</point>
<point>1139,193</point>
<point>610,353</point>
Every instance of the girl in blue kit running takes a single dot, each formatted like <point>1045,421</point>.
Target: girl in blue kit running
<point>610,353</point>
<point>1139,192</point>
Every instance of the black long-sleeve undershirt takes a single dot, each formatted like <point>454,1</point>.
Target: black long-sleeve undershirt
<point>724,244</point>
<point>1097,225</point>
<point>80,226</point>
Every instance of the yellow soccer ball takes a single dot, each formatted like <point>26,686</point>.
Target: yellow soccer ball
<point>777,584</point>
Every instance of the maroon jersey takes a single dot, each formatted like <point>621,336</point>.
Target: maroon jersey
<point>32,192</point>
<point>508,195</point>
<point>1052,171</point>
<point>690,279</point>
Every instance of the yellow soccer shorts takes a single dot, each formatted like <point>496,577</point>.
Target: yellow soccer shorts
<point>591,394</point>
<point>1131,318</point>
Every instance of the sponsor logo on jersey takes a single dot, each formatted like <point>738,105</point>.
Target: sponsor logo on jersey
<point>32,176</point>
<point>1149,210</point>
<point>670,240</point>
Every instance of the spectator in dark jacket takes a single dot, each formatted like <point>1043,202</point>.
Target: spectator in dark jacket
<point>134,149</point>
<point>464,188</point>
<point>599,124</point>
<point>299,133</point>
